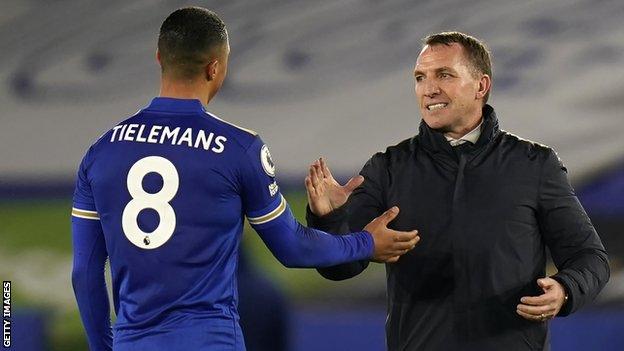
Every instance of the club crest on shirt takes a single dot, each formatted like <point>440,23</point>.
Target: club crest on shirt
<point>267,161</point>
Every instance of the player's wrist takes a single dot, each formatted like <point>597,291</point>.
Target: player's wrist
<point>370,243</point>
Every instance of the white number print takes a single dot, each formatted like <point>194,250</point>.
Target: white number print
<point>158,201</point>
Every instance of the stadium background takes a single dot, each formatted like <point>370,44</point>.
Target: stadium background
<point>330,78</point>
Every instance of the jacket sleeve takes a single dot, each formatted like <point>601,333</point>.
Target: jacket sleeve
<point>366,203</point>
<point>576,248</point>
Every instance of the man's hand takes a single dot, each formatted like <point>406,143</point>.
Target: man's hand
<point>325,194</point>
<point>546,306</point>
<point>390,244</point>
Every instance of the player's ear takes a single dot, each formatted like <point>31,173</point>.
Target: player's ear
<point>485,84</point>
<point>158,57</point>
<point>211,69</point>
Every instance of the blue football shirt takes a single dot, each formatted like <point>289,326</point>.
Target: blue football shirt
<point>167,191</point>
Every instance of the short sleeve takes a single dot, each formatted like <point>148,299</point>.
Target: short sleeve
<point>83,203</point>
<point>262,200</point>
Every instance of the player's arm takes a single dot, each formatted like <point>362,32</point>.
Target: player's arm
<point>90,256</point>
<point>297,246</point>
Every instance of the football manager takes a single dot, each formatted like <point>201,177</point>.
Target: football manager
<point>487,204</point>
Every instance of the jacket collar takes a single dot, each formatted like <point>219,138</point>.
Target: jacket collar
<point>435,142</point>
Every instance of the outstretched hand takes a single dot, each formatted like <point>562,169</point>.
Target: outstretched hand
<point>543,307</point>
<point>390,244</point>
<point>324,193</point>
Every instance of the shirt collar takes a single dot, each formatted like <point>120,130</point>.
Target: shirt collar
<point>472,136</point>
<point>177,105</point>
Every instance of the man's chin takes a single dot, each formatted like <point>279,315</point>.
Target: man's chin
<point>437,127</point>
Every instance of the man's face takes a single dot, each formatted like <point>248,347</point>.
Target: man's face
<point>450,97</point>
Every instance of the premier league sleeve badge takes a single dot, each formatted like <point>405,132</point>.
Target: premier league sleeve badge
<point>267,161</point>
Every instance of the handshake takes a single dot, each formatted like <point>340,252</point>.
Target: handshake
<point>325,194</point>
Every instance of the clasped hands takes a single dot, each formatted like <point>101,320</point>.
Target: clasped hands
<point>325,194</point>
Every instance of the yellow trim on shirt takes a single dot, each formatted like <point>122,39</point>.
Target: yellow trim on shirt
<point>85,214</point>
<point>269,216</point>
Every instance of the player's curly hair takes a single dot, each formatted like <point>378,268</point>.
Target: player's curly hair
<point>477,52</point>
<point>189,38</point>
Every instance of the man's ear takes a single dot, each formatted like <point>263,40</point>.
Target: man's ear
<point>158,57</point>
<point>211,69</point>
<point>485,83</point>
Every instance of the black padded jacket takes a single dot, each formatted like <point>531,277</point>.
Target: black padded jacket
<point>486,214</point>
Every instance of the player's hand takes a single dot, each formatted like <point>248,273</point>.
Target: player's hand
<point>546,306</point>
<point>390,244</point>
<point>325,194</point>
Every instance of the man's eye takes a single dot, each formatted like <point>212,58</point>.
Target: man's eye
<point>444,75</point>
<point>419,78</point>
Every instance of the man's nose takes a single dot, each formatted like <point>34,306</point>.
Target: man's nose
<point>431,88</point>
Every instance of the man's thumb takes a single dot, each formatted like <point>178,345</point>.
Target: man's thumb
<point>354,183</point>
<point>543,283</point>
<point>389,215</point>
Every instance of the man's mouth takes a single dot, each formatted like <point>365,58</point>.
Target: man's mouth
<point>437,106</point>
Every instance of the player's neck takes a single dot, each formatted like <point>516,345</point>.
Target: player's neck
<point>185,90</point>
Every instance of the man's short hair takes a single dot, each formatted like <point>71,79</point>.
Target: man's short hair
<point>477,52</point>
<point>189,38</point>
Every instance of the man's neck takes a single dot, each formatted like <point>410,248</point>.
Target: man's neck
<point>471,137</point>
<point>464,130</point>
<point>184,90</point>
